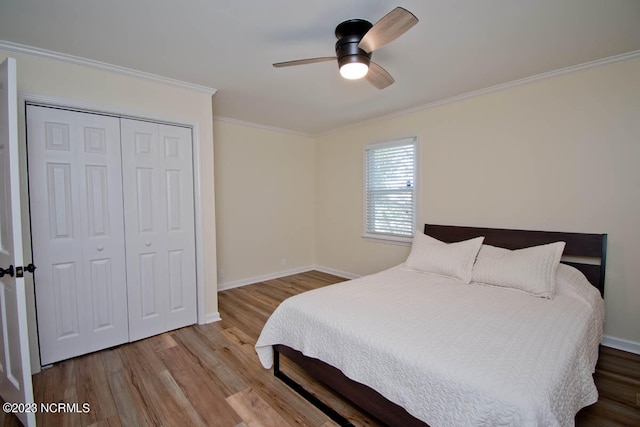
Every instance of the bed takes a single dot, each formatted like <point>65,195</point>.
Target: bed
<point>414,346</point>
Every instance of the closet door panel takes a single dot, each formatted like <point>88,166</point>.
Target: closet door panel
<point>103,231</point>
<point>77,231</point>
<point>178,176</point>
<point>144,221</point>
<point>159,222</point>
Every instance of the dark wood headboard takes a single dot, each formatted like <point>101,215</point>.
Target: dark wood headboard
<point>581,245</point>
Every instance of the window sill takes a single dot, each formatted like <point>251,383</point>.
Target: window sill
<point>391,240</point>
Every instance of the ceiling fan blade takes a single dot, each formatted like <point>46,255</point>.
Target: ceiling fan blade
<point>304,61</point>
<point>390,27</point>
<point>378,76</point>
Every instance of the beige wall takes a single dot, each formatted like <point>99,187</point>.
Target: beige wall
<point>118,93</point>
<point>264,202</point>
<point>557,154</point>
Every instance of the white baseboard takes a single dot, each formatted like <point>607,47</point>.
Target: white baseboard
<point>262,278</point>
<point>335,272</point>
<point>621,344</point>
<point>211,317</point>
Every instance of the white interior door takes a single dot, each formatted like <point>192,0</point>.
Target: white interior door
<point>159,223</point>
<point>15,365</point>
<point>75,194</point>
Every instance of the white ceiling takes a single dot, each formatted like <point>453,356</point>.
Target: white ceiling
<point>459,46</point>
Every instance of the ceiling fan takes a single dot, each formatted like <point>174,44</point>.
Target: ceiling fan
<point>357,39</point>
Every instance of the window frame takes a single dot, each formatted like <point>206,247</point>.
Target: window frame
<point>387,237</point>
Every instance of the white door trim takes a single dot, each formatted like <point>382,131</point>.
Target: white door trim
<point>123,112</point>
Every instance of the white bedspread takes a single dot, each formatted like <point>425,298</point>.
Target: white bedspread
<point>452,354</point>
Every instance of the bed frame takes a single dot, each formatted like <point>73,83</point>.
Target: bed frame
<point>586,252</point>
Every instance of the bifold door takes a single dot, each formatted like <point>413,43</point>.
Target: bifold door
<point>112,219</point>
<point>75,193</point>
<point>159,222</point>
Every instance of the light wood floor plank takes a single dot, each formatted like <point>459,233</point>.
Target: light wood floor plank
<point>223,376</point>
<point>130,405</point>
<point>136,369</point>
<point>109,422</point>
<point>292,408</point>
<point>161,342</point>
<point>254,411</point>
<point>90,383</point>
<point>111,360</point>
<point>170,403</point>
<point>208,400</point>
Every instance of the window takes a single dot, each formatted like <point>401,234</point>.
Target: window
<point>390,191</point>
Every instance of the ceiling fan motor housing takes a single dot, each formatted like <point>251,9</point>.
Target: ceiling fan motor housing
<point>349,34</point>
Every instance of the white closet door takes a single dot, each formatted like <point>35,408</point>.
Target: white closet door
<point>75,195</point>
<point>159,224</point>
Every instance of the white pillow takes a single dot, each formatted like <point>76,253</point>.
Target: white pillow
<point>447,259</point>
<point>531,270</point>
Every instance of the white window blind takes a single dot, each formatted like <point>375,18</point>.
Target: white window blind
<point>390,195</point>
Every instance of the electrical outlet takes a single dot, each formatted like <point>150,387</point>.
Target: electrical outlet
<point>283,262</point>
<point>221,273</point>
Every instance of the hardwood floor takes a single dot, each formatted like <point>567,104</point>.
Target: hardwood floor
<point>209,375</point>
<point>617,377</point>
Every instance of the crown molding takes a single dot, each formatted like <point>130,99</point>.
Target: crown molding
<point>15,47</point>
<point>49,54</point>
<point>526,80</point>
<point>263,127</point>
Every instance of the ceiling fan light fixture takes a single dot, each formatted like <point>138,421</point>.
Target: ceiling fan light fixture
<point>357,39</point>
<point>353,65</point>
<point>354,70</point>
<point>353,62</point>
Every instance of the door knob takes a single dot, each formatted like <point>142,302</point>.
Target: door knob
<point>20,270</point>
<point>8,271</point>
